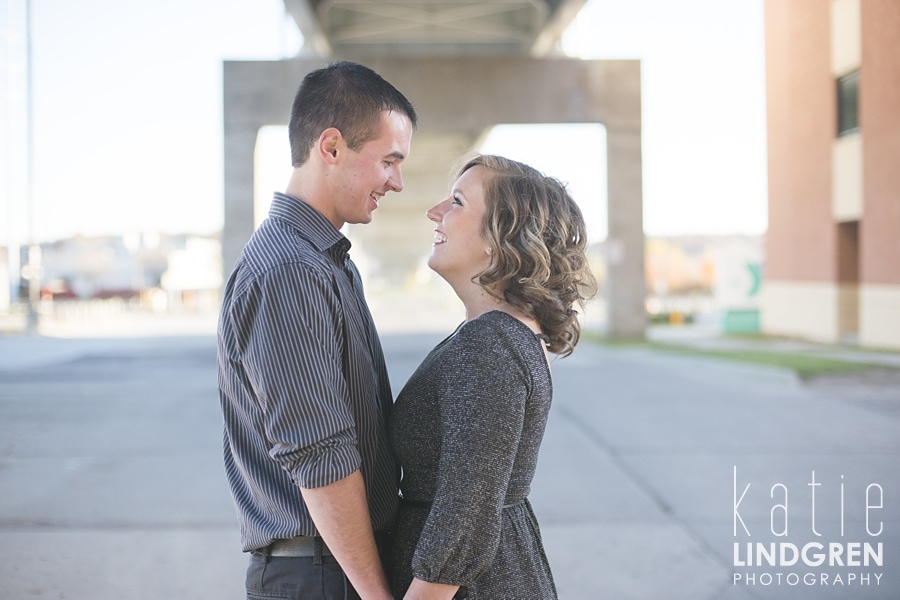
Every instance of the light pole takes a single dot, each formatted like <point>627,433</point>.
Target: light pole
<point>31,271</point>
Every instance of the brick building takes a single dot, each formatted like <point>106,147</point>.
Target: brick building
<point>833,103</point>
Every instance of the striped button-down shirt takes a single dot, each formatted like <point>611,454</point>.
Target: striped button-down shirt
<point>303,386</point>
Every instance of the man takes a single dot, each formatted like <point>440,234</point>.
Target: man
<point>302,382</point>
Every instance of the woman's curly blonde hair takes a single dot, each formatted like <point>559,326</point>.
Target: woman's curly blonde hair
<point>537,237</point>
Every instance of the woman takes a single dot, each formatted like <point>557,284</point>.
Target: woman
<point>468,424</point>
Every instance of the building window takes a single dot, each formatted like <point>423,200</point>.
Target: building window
<point>848,103</point>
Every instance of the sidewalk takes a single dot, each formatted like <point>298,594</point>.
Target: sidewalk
<point>110,466</point>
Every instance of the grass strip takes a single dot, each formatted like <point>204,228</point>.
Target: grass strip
<point>806,366</point>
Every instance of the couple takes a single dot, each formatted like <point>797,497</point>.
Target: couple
<point>314,443</point>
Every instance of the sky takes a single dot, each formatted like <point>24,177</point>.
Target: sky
<point>127,113</point>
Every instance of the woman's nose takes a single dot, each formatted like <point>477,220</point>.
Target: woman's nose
<point>436,212</point>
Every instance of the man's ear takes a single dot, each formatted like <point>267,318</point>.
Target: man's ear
<point>328,144</point>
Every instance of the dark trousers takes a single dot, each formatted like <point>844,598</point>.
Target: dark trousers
<point>302,578</point>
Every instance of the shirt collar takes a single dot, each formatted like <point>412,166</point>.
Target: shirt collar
<point>309,223</point>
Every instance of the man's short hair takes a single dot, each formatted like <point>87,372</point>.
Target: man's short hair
<point>347,96</point>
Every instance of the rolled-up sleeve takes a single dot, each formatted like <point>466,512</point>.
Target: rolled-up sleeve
<point>289,325</point>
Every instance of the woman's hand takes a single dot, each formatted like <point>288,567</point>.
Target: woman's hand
<point>422,590</point>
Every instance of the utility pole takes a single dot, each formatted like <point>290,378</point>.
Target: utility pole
<point>32,271</point>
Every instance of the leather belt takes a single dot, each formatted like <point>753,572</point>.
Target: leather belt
<point>296,547</point>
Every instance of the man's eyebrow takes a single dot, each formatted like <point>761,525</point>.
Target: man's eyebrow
<point>396,154</point>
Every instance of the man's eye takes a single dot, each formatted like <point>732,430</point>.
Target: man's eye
<point>456,200</point>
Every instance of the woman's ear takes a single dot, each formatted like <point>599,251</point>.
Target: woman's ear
<point>328,144</point>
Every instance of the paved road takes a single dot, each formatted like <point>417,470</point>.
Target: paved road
<point>653,466</point>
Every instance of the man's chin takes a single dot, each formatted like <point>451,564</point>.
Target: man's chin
<point>363,220</point>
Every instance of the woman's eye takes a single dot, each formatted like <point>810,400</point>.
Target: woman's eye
<point>456,200</point>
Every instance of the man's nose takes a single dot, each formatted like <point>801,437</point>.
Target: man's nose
<point>395,181</point>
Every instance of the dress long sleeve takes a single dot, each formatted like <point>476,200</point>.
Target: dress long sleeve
<point>481,420</point>
<point>467,428</point>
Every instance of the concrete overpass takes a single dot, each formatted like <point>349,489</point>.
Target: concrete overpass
<point>466,66</point>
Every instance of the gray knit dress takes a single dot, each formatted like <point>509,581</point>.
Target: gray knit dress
<point>467,428</point>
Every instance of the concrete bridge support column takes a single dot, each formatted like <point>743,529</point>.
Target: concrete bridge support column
<point>625,282</point>
<point>239,221</point>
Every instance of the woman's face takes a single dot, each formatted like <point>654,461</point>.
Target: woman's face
<point>459,251</point>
